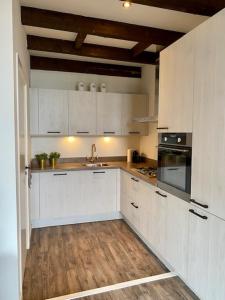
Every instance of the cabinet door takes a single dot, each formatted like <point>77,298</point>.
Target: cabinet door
<point>35,197</point>
<point>157,232</point>
<point>216,283</point>
<point>109,107</point>
<point>59,192</point>
<point>34,111</point>
<point>124,195</point>
<point>134,106</point>
<point>100,192</point>
<point>209,116</point>
<point>82,113</point>
<point>176,242</point>
<point>176,86</point>
<point>198,252</point>
<point>53,112</point>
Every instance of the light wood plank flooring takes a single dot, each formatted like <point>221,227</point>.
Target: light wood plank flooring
<point>167,289</point>
<point>72,258</point>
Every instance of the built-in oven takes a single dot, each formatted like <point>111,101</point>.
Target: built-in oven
<point>174,164</point>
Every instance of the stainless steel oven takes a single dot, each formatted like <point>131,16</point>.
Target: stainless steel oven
<point>174,164</point>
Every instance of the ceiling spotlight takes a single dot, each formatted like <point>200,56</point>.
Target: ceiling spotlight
<point>127,4</point>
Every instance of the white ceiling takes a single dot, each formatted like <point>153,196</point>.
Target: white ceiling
<point>112,10</point>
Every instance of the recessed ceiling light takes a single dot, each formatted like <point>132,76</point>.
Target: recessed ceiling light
<point>127,4</point>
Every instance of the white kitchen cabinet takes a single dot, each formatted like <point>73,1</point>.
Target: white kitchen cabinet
<point>216,267</point>
<point>176,86</point>
<point>33,105</point>
<point>82,113</point>
<point>53,112</point>
<point>134,106</point>
<point>208,151</point>
<point>176,238</point>
<point>109,113</point>
<point>60,194</point>
<point>157,232</point>
<point>125,200</point>
<point>100,191</point>
<point>198,251</point>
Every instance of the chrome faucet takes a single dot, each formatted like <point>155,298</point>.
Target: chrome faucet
<point>93,157</point>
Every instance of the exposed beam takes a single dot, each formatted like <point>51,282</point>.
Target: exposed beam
<point>199,7</point>
<point>75,66</point>
<point>99,27</point>
<point>80,38</point>
<point>139,48</point>
<point>88,50</point>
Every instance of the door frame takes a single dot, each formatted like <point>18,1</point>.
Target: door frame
<point>21,73</point>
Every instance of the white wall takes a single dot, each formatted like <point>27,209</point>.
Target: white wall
<point>81,146</point>
<point>9,273</point>
<point>148,144</point>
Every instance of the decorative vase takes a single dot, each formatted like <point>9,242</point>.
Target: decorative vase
<point>42,163</point>
<point>53,162</point>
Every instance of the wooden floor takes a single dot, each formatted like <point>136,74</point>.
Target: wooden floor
<point>68,259</point>
<point>167,289</point>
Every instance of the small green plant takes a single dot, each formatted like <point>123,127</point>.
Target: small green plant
<point>54,155</point>
<point>41,156</point>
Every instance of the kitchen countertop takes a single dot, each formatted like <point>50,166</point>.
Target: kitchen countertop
<point>128,167</point>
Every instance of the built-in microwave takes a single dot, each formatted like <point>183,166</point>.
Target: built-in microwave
<point>174,164</point>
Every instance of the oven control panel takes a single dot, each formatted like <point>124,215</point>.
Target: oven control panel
<point>182,139</point>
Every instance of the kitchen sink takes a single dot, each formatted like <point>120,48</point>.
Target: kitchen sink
<point>94,165</point>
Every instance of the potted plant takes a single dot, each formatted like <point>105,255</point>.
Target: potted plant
<point>42,158</point>
<point>53,157</point>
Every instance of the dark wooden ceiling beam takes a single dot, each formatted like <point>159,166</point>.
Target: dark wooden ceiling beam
<point>99,27</point>
<point>139,48</point>
<point>80,38</point>
<point>75,66</point>
<point>88,50</point>
<point>199,7</point>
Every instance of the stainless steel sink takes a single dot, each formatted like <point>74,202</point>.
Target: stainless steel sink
<point>95,165</point>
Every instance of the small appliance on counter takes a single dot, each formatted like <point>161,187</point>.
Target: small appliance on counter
<point>136,157</point>
<point>130,155</point>
<point>174,164</point>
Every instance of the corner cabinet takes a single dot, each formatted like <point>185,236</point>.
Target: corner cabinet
<point>83,113</point>
<point>176,86</point>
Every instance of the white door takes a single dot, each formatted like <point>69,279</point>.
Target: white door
<point>198,251</point>
<point>109,107</point>
<point>22,172</point>
<point>177,234</point>
<point>134,106</point>
<point>82,113</point>
<point>53,112</point>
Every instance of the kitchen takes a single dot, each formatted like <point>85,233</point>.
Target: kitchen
<point>119,143</point>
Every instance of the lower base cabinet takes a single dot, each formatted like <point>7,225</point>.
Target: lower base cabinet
<point>74,194</point>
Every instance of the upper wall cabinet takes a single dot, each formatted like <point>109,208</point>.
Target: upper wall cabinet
<point>176,86</point>
<point>82,113</point>
<point>62,113</point>
<point>134,106</point>
<point>53,112</point>
<point>208,157</point>
<point>109,108</point>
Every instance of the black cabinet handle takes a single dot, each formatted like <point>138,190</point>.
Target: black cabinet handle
<point>82,132</point>
<point>109,132</point>
<point>173,169</point>
<point>133,204</point>
<point>134,179</point>
<point>134,132</point>
<point>162,128</point>
<point>162,195</point>
<point>54,132</point>
<point>200,204</point>
<point>60,174</point>
<point>200,216</point>
<point>99,172</point>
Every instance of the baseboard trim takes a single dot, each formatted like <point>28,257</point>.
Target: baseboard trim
<point>115,287</point>
<point>76,220</point>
